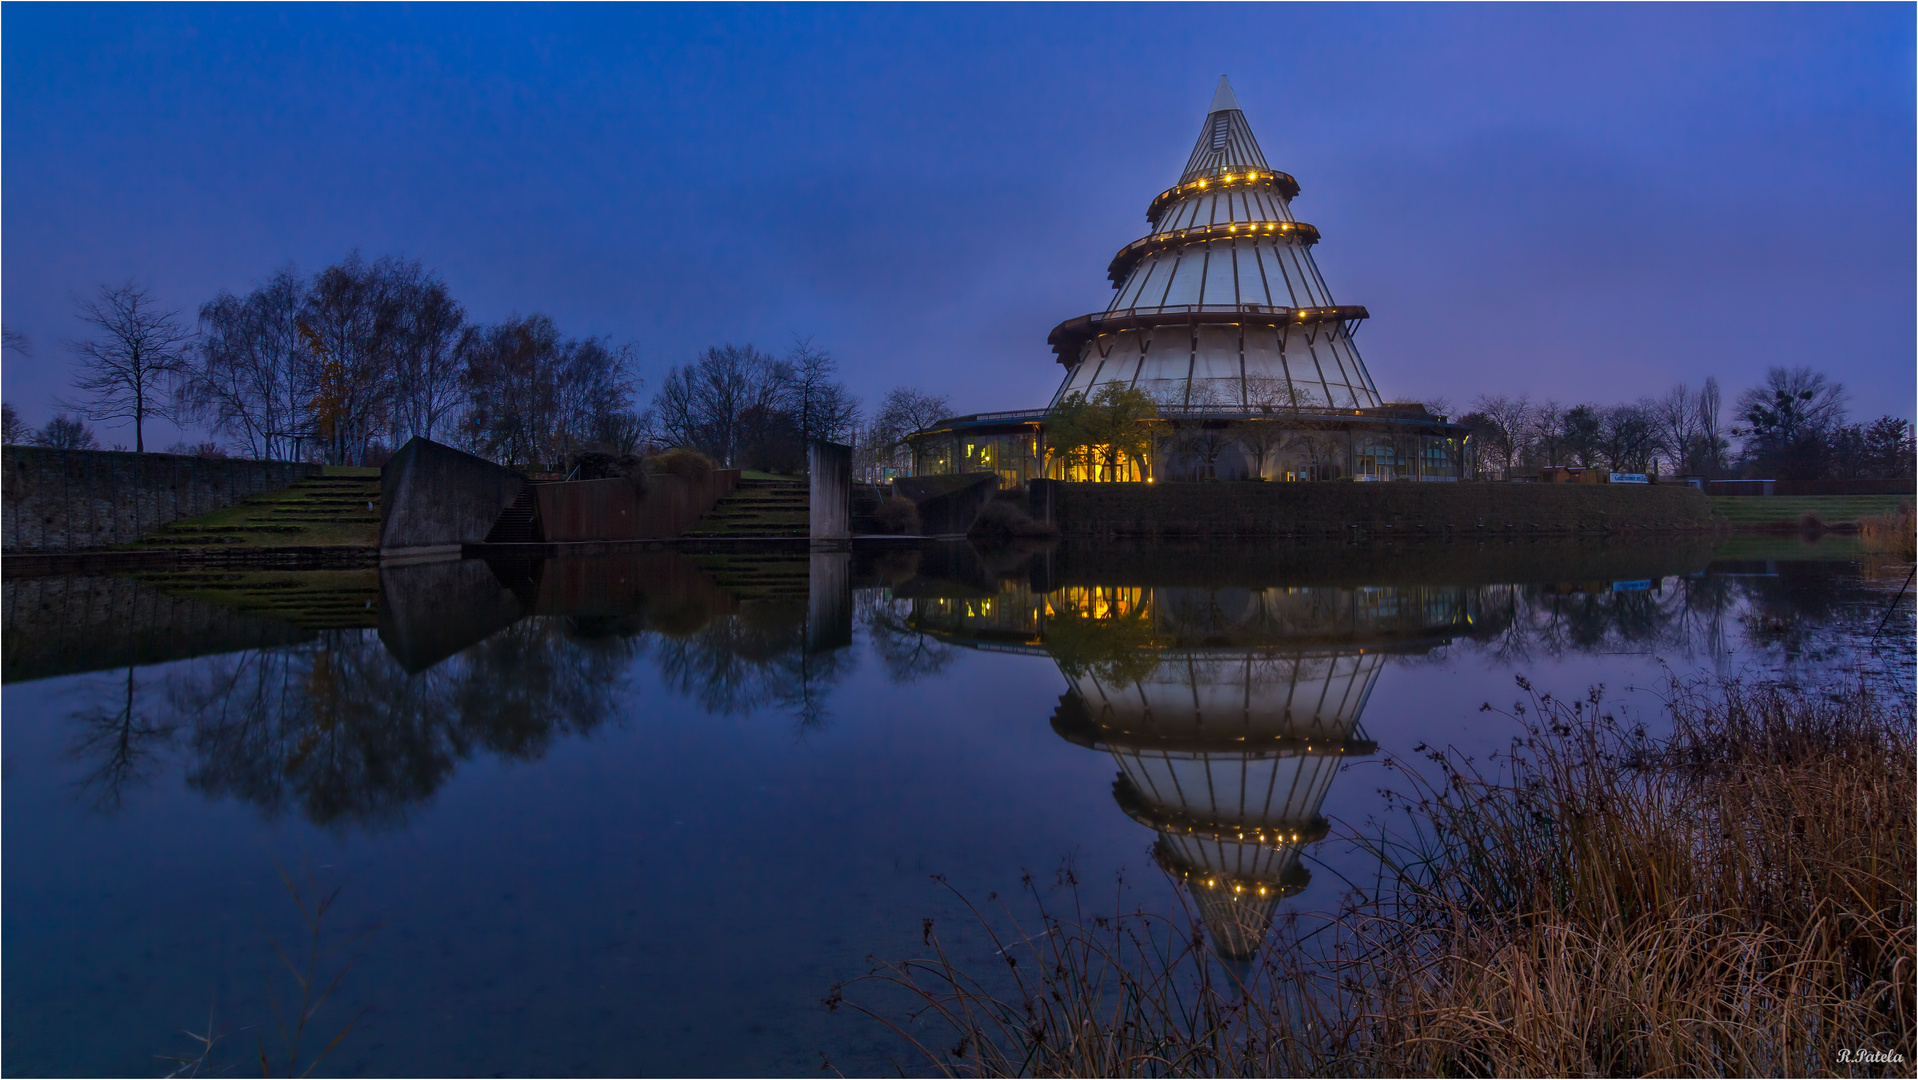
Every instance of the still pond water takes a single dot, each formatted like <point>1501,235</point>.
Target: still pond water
<point>638,814</point>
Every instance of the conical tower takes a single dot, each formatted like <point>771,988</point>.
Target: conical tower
<point>1221,306</point>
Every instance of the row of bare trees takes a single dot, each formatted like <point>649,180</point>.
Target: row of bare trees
<point>744,408</point>
<point>349,363</point>
<point>1791,425</point>
<point>341,367</point>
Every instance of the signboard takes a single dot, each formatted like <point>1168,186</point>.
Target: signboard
<point>1630,478</point>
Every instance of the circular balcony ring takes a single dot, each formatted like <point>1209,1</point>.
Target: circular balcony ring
<point>1070,336</point>
<point>1223,179</point>
<point>1129,256</point>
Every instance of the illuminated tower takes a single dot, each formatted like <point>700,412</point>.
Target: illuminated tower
<point>1221,304</point>
<point>1221,317</point>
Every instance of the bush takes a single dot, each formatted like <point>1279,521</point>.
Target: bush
<point>898,516</point>
<point>1002,517</point>
<point>687,464</point>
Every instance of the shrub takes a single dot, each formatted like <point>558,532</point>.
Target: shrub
<point>683,462</point>
<point>1001,517</point>
<point>898,516</point>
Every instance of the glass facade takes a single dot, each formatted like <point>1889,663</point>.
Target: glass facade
<point>1315,452</point>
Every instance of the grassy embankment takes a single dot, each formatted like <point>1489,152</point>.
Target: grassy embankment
<point>1790,511</point>
<point>334,514</point>
<point>1734,899</point>
<point>339,509</point>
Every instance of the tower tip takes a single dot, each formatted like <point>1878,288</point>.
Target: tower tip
<point>1223,100</point>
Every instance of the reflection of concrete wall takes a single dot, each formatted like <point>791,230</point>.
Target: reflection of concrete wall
<point>617,509</point>
<point>429,611</point>
<point>830,466</point>
<point>66,625</point>
<point>667,591</point>
<point>434,496</point>
<point>829,602</point>
<point>72,500</point>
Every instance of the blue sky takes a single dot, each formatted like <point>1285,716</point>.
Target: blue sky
<point>1581,202</point>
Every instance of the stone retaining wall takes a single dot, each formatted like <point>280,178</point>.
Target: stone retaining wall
<point>83,500</point>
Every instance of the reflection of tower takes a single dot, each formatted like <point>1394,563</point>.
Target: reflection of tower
<point>1228,710</point>
<point>1228,754</point>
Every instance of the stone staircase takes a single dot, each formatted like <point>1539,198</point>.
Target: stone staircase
<point>516,524</point>
<point>775,509</point>
<point>326,510</point>
<point>865,508</point>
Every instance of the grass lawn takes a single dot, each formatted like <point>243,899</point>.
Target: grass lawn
<point>1789,509</point>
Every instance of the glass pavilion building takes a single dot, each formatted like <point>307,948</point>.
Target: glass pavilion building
<point>1221,317</point>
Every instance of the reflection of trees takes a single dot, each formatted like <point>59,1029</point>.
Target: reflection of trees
<point>1807,612</point>
<point>739,663</point>
<point>339,731</point>
<point>1111,649</point>
<point>907,654</point>
<point>120,743</point>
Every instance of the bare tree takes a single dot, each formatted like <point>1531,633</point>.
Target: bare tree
<point>13,430</point>
<point>129,370</point>
<point>425,323</point>
<point>65,433</point>
<point>901,412</point>
<point>1547,431</point>
<point>1632,439</point>
<point>1509,418</point>
<point>255,374</point>
<point>1711,429</point>
<point>824,408</point>
<point>1676,415</point>
<point>348,324</point>
<point>535,398</point>
<point>700,404</point>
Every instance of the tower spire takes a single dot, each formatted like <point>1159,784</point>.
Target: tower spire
<point>1225,141</point>
<point>1224,100</point>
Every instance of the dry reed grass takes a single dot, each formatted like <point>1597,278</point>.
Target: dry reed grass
<point>1734,898</point>
<point>1895,533</point>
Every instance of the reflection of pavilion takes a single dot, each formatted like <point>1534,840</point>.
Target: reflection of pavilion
<point>1229,712</point>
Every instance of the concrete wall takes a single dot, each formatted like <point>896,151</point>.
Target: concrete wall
<point>615,509</point>
<point>948,505</point>
<point>433,496</point>
<point>830,467</point>
<point>78,500</point>
<point>1333,508</point>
